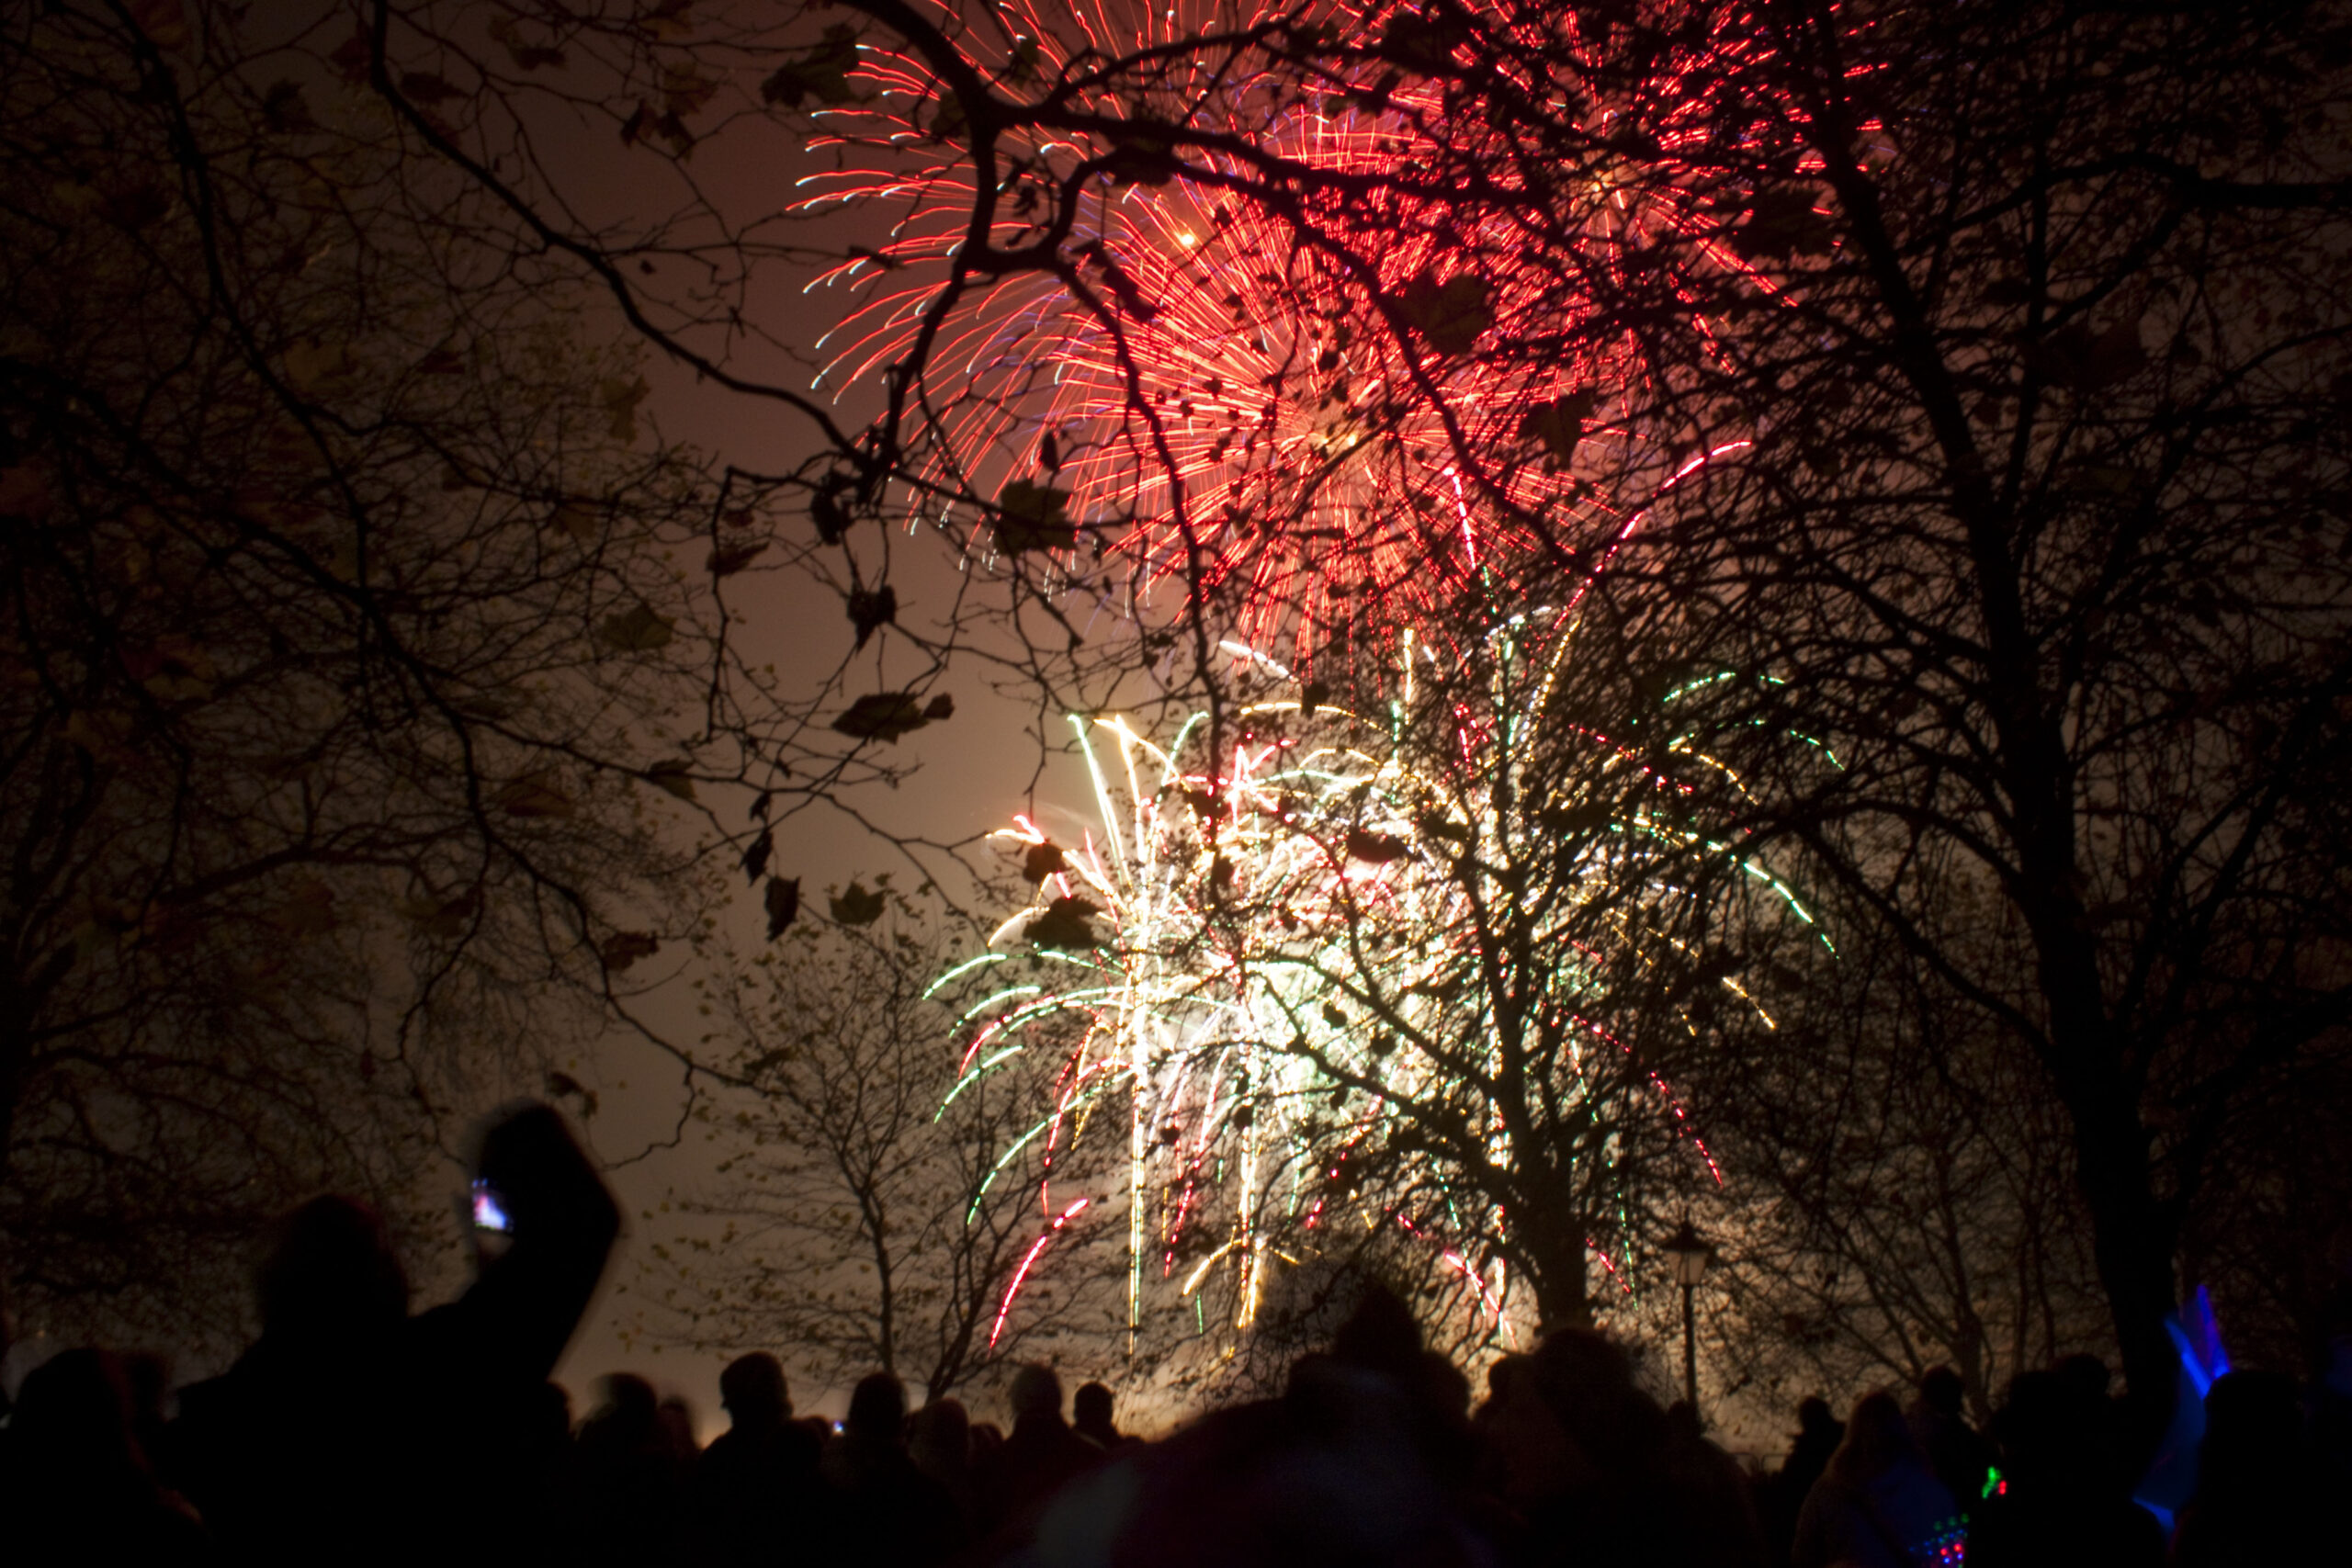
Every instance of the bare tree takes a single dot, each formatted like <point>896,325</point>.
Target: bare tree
<point>1455,970</point>
<point>1969,372</point>
<point>1902,1194</point>
<point>1510,941</point>
<point>881,1207</point>
<point>362,652</point>
<point>2039,520</point>
<point>1974,371</point>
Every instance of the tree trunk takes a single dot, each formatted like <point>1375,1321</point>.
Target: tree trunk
<point>2132,1239</point>
<point>2134,1246</point>
<point>1555,1261</point>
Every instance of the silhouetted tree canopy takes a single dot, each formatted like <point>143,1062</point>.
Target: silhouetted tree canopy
<point>1960,390</point>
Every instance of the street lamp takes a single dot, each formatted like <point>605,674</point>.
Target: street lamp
<point>1691,1254</point>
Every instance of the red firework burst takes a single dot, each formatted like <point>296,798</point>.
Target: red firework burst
<point>1338,393</point>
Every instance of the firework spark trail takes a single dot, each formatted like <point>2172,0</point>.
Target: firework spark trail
<point>1239,367</point>
<point>1240,895</point>
<point>1247,362</point>
<point>1012,1291</point>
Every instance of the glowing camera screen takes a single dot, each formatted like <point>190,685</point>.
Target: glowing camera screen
<point>489,1214</point>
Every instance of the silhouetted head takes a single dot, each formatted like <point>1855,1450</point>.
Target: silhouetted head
<point>942,1438</point>
<point>629,1410</point>
<point>1877,1438</point>
<point>1036,1390</point>
<point>1500,1375</point>
<point>2037,1427</point>
<point>72,1422</point>
<point>1940,1391</point>
<point>331,1271</point>
<point>1587,1380</point>
<point>148,1375</point>
<point>2086,1374</point>
<point>1090,1409</point>
<point>550,1417</point>
<point>1439,1385</point>
<point>752,1393</point>
<point>1380,1336</point>
<point>878,1411</point>
<point>1814,1418</point>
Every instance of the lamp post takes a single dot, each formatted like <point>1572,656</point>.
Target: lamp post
<point>1691,1254</point>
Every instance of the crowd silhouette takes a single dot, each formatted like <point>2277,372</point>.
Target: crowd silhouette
<point>353,1431</point>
